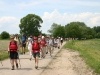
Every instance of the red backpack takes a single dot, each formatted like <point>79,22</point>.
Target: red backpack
<point>43,42</point>
<point>13,46</point>
<point>35,46</point>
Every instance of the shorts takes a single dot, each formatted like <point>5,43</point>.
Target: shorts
<point>24,45</point>
<point>13,55</point>
<point>51,47</point>
<point>37,54</point>
<point>61,41</point>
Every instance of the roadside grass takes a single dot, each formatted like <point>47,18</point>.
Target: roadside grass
<point>4,49</point>
<point>89,50</point>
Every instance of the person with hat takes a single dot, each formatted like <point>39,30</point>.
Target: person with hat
<point>43,47</point>
<point>36,50</point>
<point>13,51</point>
<point>29,43</point>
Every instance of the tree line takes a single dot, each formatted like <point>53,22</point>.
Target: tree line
<point>31,24</point>
<point>75,30</point>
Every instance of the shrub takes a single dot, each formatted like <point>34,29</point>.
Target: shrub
<point>4,35</point>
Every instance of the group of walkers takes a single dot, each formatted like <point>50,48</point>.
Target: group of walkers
<point>38,47</point>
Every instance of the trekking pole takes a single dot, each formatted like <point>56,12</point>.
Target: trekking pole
<point>19,59</point>
<point>1,62</point>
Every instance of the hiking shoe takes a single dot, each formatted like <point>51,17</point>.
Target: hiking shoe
<point>12,68</point>
<point>30,59</point>
<point>46,52</point>
<point>36,67</point>
<point>17,66</point>
<point>24,52</point>
<point>43,56</point>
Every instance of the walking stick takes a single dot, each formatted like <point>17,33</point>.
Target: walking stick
<point>19,59</point>
<point>1,62</point>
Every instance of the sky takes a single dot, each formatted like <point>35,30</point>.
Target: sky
<point>51,11</point>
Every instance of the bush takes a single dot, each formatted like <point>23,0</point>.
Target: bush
<point>4,35</point>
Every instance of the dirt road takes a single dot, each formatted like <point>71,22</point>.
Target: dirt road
<point>66,62</point>
<point>27,66</point>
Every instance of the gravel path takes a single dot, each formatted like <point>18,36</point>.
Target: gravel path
<point>67,62</point>
<point>27,66</point>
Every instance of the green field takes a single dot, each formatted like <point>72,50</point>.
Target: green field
<point>4,44</point>
<point>4,49</point>
<point>89,50</point>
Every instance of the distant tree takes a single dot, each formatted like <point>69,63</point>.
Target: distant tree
<point>30,25</point>
<point>53,28</point>
<point>59,31</point>
<point>97,35</point>
<point>97,29</point>
<point>5,35</point>
<point>90,33</point>
<point>72,30</point>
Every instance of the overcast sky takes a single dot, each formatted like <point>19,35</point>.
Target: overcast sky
<point>51,11</point>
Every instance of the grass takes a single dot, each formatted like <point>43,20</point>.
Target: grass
<point>89,50</point>
<point>4,49</point>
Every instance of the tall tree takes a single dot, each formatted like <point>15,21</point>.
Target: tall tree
<point>53,28</point>
<point>30,24</point>
<point>72,30</point>
<point>59,31</point>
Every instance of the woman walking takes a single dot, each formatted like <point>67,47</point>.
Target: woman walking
<point>13,51</point>
<point>36,51</point>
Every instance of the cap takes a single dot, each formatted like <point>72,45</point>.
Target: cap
<point>35,38</point>
<point>12,36</point>
<point>42,37</point>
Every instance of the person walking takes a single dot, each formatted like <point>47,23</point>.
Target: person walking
<point>43,47</point>
<point>47,44</point>
<point>29,43</point>
<point>51,45</point>
<point>58,42</point>
<point>36,51</point>
<point>23,42</point>
<point>16,38</point>
<point>13,52</point>
<point>61,40</point>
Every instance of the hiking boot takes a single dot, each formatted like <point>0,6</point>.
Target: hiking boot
<point>43,56</point>
<point>30,59</point>
<point>24,52</point>
<point>12,67</point>
<point>36,67</point>
<point>46,52</point>
<point>17,66</point>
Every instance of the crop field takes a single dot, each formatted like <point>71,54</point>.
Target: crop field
<point>4,45</point>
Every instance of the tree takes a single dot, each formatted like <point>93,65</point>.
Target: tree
<point>97,29</point>
<point>72,30</point>
<point>59,31</point>
<point>5,35</point>
<point>30,25</point>
<point>53,28</point>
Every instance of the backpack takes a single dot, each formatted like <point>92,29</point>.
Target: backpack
<point>23,38</point>
<point>13,46</point>
<point>35,46</point>
<point>43,42</point>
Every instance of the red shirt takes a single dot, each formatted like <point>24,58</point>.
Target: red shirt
<point>35,47</point>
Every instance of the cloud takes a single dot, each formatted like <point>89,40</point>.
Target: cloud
<point>9,24</point>
<point>90,19</point>
<point>32,3</point>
